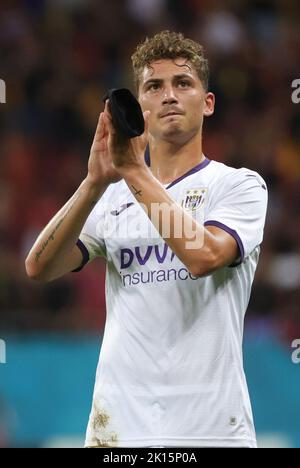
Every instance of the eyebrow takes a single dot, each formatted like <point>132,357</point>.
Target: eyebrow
<point>175,77</point>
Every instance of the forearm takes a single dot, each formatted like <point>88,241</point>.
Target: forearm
<point>192,243</point>
<point>52,247</point>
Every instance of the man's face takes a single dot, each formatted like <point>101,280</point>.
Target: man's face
<point>173,92</point>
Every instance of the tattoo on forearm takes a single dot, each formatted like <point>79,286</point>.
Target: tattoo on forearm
<point>50,238</point>
<point>136,191</point>
<point>52,235</point>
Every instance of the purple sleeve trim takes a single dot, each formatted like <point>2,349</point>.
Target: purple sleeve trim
<point>85,255</point>
<point>234,234</point>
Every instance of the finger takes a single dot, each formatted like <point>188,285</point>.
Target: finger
<point>100,129</point>
<point>107,108</point>
<point>105,127</point>
<point>108,119</point>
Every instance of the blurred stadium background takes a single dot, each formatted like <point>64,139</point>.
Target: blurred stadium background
<point>57,58</point>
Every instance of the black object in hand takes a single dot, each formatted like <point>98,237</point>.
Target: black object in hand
<point>126,112</point>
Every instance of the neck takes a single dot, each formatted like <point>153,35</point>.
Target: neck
<point>169,160</point>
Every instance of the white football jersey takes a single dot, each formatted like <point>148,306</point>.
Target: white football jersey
<point>170,371</point>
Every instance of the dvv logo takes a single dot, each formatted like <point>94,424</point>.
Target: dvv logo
<point>2,92</point>
<point>142,255</point>
<point>2,352</point>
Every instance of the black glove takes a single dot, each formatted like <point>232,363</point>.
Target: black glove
<point>126,112</point>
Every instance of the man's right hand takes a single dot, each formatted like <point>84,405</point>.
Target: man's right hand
<point>55,252</point>
<point>100,166</point>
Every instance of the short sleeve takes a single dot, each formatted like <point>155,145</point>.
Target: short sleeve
<point>91,240</point>
<point>239,207</point>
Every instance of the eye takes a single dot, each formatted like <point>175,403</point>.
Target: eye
<point>153,87</point>
<point>183,83</point>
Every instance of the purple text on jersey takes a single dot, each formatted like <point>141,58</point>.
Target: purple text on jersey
<point>128,255</point>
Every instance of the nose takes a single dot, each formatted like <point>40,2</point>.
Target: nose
<point>169,96</point>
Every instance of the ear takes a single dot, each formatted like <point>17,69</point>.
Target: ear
<point>209,104</point>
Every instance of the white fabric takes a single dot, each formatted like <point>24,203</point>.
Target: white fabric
<point>171,370</point>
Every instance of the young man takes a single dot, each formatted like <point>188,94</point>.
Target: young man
<point>170,371</point>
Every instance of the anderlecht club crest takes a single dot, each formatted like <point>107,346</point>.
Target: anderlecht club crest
<point>193,199</point>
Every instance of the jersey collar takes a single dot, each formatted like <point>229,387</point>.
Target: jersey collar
<point>195,169</point>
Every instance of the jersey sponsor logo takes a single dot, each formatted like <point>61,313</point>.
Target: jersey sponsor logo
<point>193,199</point>
<point>156,276</point>
<point>142,255</point>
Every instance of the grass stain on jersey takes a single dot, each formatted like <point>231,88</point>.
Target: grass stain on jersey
<point>101,420</point>
<point>111,441</point>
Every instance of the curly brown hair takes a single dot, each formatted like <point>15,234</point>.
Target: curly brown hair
<point>170,45</point>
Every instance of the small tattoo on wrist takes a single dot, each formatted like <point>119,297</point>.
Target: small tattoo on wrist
<point>136,191</point>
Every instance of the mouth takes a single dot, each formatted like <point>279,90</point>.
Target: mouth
<point>171,114</point>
